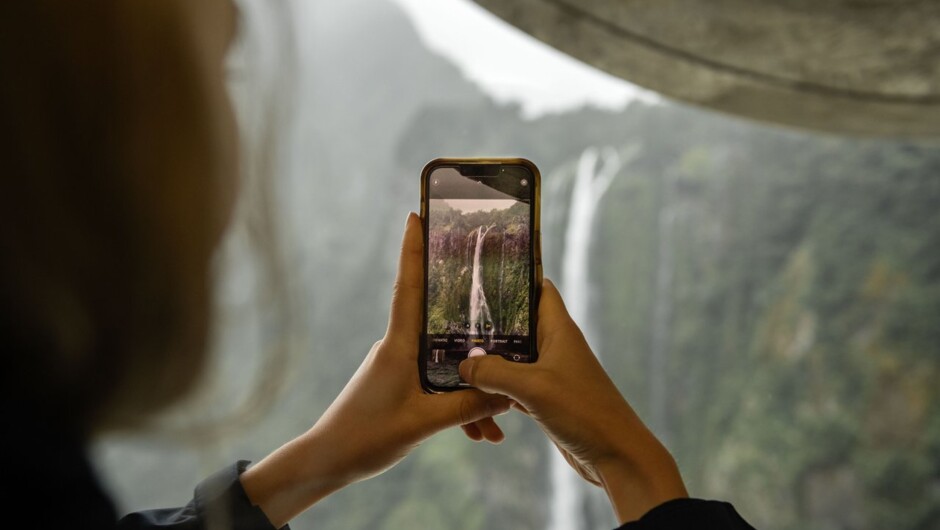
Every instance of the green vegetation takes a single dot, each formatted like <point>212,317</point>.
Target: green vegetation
<point>805,346</point>
<point>798,378</point>
<point>504,267</point>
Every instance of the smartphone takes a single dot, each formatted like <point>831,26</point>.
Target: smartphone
<point>482,264</point>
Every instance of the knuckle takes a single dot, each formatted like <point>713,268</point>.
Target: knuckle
<point>481,371</point>
<point>397,291</point>
<point>407,285</point>
<point>465,412</point>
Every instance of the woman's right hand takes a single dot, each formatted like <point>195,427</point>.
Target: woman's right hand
<point>577,405</point>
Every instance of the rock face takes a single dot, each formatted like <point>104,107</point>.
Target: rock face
<point>859,67</point>
<point>474,280</point>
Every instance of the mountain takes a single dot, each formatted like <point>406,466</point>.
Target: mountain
<point>794,278</point>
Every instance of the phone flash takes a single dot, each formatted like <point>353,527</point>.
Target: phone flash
<point>524,182</point>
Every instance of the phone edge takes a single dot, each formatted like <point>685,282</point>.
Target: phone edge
<point>535,232</point>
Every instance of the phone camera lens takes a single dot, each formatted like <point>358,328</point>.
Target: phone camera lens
<point>524,182</point>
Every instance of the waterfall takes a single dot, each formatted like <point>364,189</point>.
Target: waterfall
<point>591,183</point>
<point>502,252</point>
<point>479,309</point>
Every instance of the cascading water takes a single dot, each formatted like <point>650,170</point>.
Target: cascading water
<point>479,309</point>
<point>499,307</point>
<point>591,183</point>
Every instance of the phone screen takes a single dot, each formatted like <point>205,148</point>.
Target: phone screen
<point>480,268</point>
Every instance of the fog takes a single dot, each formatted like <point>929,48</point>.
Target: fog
<point>767,299</point>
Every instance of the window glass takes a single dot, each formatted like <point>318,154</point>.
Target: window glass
<point>767,299</point>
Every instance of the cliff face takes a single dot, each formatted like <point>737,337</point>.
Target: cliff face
<point>503,268</point>
<point>799,371</point>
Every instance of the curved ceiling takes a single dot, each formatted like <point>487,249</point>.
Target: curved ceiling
<point>869,67</point>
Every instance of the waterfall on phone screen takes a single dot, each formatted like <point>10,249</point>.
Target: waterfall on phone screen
<point>479,309</point>
<point>591,182</point>
<point>502,268</point>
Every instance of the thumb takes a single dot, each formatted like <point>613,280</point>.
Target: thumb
<point>492,373</point>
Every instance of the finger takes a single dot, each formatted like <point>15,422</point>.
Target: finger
<point>493,374</point>
<point>490,430</point>
<point>551,306</point>
<point>520,407</point>
<point>553,316</point>
<point>472,432</point>
<point>463,408</point>
<point>404,321</point>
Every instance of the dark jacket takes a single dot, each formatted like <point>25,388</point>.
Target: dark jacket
<point>54,486</point>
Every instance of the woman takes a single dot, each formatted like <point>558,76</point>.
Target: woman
<point>119,165</point>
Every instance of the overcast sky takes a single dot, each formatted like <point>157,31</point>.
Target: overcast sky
<point>475,205</point>
<point>511,66</point>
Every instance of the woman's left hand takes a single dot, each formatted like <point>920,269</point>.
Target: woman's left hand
<point>379,417</point>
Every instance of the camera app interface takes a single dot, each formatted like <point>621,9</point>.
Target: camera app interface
<point>478,269</point>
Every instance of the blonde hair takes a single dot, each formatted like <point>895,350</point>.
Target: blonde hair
<point>260,73</point>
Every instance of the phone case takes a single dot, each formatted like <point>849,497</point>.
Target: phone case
<point>536,238</point>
